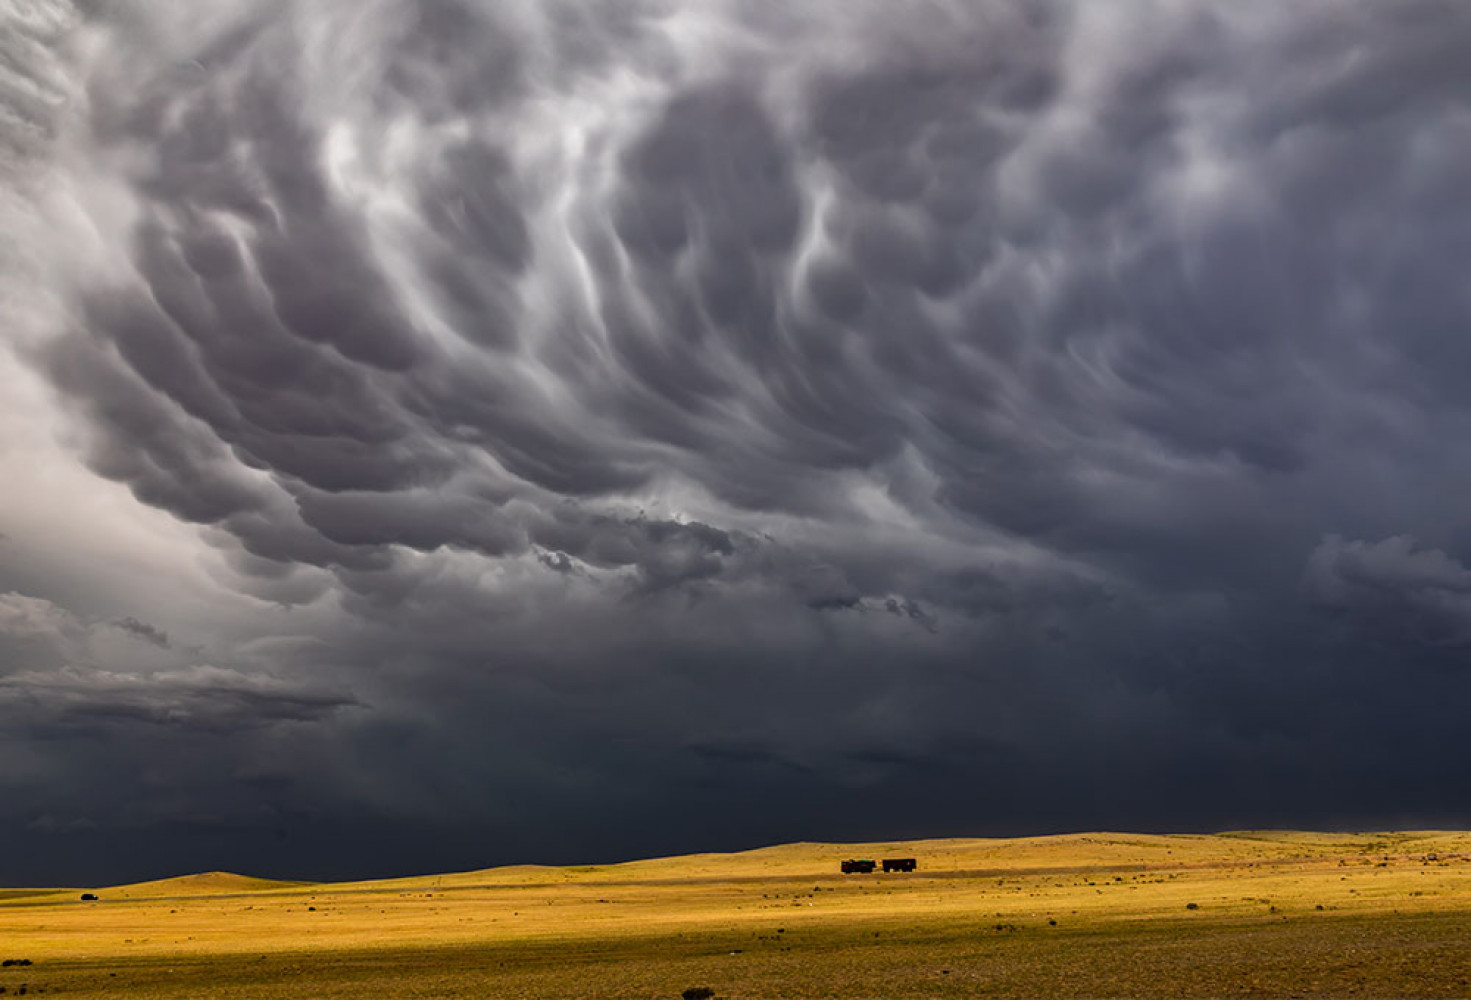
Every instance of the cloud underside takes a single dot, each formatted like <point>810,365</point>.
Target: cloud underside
<point>776,402</point>
<point>1075,285</point>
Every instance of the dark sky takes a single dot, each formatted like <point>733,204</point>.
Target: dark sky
<point>444,433</point>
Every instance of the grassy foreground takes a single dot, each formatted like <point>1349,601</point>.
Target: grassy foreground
<point>1090,915</point>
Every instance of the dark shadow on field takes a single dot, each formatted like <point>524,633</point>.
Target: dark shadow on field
<point>1322,955</point>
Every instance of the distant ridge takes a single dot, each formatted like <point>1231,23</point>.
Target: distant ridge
<point>1066,850</point>
<point>807,859</point>
<point>203,884</point>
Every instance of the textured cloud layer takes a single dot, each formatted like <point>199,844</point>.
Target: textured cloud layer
<point>565,406</point>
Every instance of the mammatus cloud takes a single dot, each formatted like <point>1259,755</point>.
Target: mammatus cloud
<point>566,406</point>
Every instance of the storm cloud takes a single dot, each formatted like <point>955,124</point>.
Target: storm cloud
<point>465,420</point>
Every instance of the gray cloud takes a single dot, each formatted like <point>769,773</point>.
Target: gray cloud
<point>143,631</point>
<point>1420,593</point>
<point>63,670</point>
<point>33,617</point>
<point>199,697</point>
<point>620,403</point>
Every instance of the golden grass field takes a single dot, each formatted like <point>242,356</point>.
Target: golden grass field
<point>1086,915</point>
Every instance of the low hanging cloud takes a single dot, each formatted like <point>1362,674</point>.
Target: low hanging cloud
<point>200,697</point>
<point>143,631</point>
<point>1422,594</point>
<point>62,671</point>
<point>608,403</point>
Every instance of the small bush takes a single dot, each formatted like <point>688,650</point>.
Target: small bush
<point>698,993</point>
<point>1192,906</point>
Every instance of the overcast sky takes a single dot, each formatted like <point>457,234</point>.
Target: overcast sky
<point>445,433</point>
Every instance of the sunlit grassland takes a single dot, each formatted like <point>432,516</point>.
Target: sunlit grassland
<point>1241,914</point>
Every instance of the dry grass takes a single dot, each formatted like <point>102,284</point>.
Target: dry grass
<point>1276,914</point>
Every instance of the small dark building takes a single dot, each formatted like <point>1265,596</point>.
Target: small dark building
<point>861,867</point>
<point>899,864</point>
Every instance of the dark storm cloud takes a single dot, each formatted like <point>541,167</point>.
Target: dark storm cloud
<point>769,410</point>
<point>201,697</point>
<point>144,631</point>
<point>1415,593</point>
<point>61,668</point>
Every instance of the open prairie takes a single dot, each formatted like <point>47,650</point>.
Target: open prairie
<point>1088,915</point>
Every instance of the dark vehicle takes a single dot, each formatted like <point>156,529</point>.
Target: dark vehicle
<point>862,867</point>
<point>899,864</point>
<point>89,897</point>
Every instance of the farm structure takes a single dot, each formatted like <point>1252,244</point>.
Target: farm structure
<point>865,866</point>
